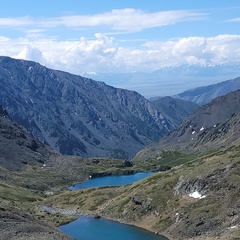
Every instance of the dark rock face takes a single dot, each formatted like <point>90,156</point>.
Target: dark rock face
<point>76,115</point>
<point>136,200</point>
<point>164,168</point>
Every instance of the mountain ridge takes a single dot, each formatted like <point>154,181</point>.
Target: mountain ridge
<point>76,115</point>
<point>205,94</point>
<point>163,81</point>
<point>194,133</point>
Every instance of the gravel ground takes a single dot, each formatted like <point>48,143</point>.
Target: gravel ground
<point>16,225</point>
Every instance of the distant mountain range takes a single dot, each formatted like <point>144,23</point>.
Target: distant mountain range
<point>211,126</point>
<point>169,81</point>
<point>80,116</point>
<point>203,95</point>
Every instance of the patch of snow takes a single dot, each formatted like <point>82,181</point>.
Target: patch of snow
<point>192,139</point>
<point>193,132</point>
<point>233,227</point>
<point>76,113</point>
<point>30,68</point>
<point>202,128</point>
<point>31,100</point>
<point>215,125</point>
<point>196,194</point>
<point>48,193</point>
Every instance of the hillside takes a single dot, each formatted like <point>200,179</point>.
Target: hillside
<point>76,115</point>
<point>211,126</point>
<point>196,200</point>
<point>20,157</point>
<point>29,172</point>
<point>17,143</point>
<point>206,94</point>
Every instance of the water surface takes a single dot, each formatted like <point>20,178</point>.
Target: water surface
<point>88,228</point>
<point>111,181</point>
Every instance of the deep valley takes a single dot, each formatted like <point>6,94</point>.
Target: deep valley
<point>58,129</point>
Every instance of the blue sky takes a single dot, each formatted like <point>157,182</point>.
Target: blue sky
<point>120,36</point>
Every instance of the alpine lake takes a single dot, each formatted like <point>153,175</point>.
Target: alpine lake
<point>90,228</point>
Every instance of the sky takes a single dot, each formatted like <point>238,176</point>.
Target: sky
<point>120,36</point>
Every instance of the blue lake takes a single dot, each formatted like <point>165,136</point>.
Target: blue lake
<point>89,228</point>
<point>111,181</point>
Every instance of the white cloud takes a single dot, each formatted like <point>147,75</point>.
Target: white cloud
<point>129,19</point>
<point>35,33</point>
<point>118,19</point>
<point>16,22</point>
<point>105,53</point>
<point>234,20</point>
<point>30,53</point>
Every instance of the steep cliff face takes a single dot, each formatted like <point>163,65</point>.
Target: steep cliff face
<point>77,115</point>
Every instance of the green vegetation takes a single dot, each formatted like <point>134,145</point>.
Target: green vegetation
<point>17,194</point>
<point>154,198</point>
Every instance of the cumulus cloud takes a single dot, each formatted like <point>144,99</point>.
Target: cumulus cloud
<point>105,54</point>
<point>30,52</point>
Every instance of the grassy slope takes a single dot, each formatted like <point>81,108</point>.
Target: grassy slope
<point>161,203</point>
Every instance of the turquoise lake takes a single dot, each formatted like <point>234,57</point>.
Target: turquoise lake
<point>89,228</point>
<point>111,181</point>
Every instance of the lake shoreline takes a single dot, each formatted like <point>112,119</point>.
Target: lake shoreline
<point>122,180</point>
<point>74,213</point>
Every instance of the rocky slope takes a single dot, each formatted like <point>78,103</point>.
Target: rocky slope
<point>18,147</point>
<point>18,225</point>
<point>20,157</point>
<point>206,94</point>
<point>29,172</point>
<point>211,126</point>
<point>76,115</point>
<point>176,110</point>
